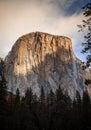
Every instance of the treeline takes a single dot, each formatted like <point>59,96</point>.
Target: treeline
<point>56,111</point>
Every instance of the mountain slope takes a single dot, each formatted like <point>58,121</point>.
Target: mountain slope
<point>40,59</point>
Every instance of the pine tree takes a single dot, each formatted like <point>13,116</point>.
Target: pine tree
<point>3,93</point>
<point>52,97</point>
<point>74,104</point>
<point>28,97</point>
<point>78,97</point>
<point>35,99</point>
<point>86,101</point>
<point>17,99</point>
<point>78,102</point>
<point>67,99</point>
<point>86,109</point>
<point>42,96</point>
<point>59,94</point>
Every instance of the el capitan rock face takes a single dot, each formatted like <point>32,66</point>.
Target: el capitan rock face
<point>40,59</point>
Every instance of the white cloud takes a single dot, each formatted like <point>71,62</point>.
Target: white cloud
<point>19,19</point>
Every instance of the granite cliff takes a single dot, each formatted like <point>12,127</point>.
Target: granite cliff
<point>40,59</point>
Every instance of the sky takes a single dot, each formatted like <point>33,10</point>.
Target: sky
<point>58,17</point>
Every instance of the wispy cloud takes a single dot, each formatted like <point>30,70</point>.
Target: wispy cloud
<point>20,17</point>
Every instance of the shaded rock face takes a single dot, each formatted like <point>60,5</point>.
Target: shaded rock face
<point>40,59</point>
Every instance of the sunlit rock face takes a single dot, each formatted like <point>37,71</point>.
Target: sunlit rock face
<point>40,59</point>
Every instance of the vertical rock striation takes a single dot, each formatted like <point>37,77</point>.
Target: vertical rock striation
<point>40,59</point>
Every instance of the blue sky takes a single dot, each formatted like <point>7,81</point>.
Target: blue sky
<point>59,17</point>
<point>76,6</point>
